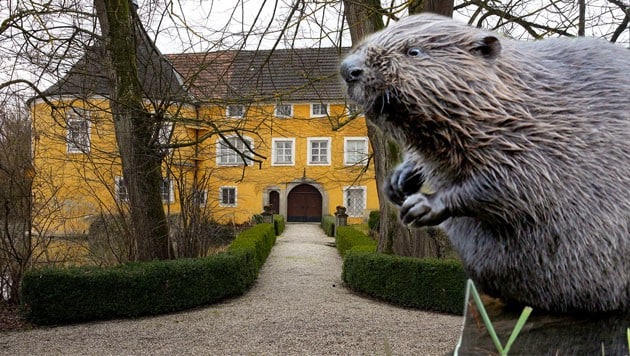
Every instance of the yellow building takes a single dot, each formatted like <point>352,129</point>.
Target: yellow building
<point>282,112</point>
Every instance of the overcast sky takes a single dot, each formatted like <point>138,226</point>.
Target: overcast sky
<point>229,24</point>
<point>207,25</point>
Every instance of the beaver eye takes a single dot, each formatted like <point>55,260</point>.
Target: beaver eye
<point>414,52</point>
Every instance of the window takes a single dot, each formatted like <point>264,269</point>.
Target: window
<point>354,109</point>
<point>282,151</point>
<point>164,136</point>
<point>200,197</point>
<point>319,110</point>
<point>235,111</point>
<point>227,196</point>
<point>227,156</point>
<point>122,193</point>
<point>166,191</point>
<point>319,150</point>
<point>355,150</point>
<point>120,189</point>
<point>284,110</point>
<point>355,199</point>
<point>78,131</point>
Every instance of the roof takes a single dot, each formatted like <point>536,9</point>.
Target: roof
<point>88,77</point>
<point>297,74</point>
<point>238,76</point>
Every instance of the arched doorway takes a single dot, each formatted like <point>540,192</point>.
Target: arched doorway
<point>304,204</point>
<point>274,201</point>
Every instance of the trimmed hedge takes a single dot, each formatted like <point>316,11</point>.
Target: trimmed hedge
<point>328,225</point>
<point>66,295</point>
<point>256,241</point>
<point>278,224</point>
<point>349,238</point>
<point>374,220</point>
<point>428,284</point>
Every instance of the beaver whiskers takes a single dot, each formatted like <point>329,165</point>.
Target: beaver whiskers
<point>387,96</point>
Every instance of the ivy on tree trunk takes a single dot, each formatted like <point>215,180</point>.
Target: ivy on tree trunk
<point>140,153</point>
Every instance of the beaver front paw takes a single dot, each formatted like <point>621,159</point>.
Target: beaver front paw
<point>406,180</point>
<point>423,210</point>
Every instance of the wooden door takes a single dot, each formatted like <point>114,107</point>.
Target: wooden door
<point>274,201</point>
<point>304,204</point>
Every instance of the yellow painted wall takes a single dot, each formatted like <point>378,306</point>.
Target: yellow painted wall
<point>82,185</point>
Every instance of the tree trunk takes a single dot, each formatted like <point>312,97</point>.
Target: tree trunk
<point>140,154</point>
<point>441,7</point>
<point>365,17</point>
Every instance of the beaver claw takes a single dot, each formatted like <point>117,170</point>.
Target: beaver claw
<point>406,180</point>
<point>423,210</point>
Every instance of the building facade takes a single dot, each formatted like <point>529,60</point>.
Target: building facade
<point>240,130</point>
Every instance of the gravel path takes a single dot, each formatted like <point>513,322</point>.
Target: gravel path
<point>298,306</point>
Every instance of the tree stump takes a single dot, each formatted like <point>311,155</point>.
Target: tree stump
<point>544,333</point>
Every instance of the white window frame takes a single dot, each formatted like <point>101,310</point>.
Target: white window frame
<point>274,151</point>
<point>221,146</point>
<point>353,109</point>
<point>355,214</point>
<point>221,203</point>
<point>309,151</point>
<point>75,115</point>
<point>231,107</point>
<point>200,197</point>
<point>319,114</point>
<point>346,151</point>
<point>166,130</point>
<point>280,115</point>
<point>170,199</point>
<point>119,189</point>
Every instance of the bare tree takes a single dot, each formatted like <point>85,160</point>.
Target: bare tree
<point>135,127</point>
<point>15,202</point>
<point>50,38</point>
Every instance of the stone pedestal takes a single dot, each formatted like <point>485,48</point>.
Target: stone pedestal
<point>341,218</point>
<point>267,214</point>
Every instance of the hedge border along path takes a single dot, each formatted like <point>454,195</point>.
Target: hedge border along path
<point>427,284</point>
<point>66,295</point>
<point>298,306</point>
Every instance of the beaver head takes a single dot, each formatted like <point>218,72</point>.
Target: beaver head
<point>434,84</point>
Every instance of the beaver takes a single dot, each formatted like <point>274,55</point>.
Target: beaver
<point>525,145</point>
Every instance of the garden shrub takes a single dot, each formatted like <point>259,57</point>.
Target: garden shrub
<point>278,224</point>
<point>374,220</point>
<point>54,296</point>
<point>328,225</point>
<point>64,295</point>
<point>348,237</point>
<point>257,241</point>
<point>428,284</point>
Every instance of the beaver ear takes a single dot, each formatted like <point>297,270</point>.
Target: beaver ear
<point>488,47</point>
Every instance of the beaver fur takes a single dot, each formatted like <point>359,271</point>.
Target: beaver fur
<point>526,146</point>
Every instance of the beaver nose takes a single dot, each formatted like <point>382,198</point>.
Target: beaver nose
<point>350,70</point>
